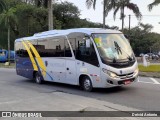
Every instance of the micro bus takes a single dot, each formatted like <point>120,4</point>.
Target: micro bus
<point>88,57</point>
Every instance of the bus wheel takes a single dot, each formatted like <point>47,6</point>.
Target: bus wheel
<point>38,78</point>
<point>86,84</point>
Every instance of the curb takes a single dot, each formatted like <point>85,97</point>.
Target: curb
<point>150,74</point>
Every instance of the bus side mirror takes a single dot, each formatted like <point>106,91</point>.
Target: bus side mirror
<point>126,36</point>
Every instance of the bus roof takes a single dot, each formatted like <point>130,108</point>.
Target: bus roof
<point>54,33</point>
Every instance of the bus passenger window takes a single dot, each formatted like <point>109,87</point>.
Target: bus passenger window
<point>85,53</point>
<point>21,50</point>
<point>51,48</point>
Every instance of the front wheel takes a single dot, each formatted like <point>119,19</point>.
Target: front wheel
<point>38,78</point>
<point>86,84</point>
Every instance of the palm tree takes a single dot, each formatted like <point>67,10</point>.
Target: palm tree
<point>50,15</point>
<point>47,3</point>
<point>121,4</point>
<point>2,5</point>
<point>108,5</point>
<point>8,17</point>
<point>155,3</point>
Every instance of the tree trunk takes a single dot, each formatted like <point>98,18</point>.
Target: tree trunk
<point>50,15</point>
<point>8,42</point>
<point>104,14</point>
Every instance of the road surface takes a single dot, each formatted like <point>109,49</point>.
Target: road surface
<point>143,95</point>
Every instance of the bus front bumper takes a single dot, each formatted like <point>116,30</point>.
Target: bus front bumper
<point>122,80</point>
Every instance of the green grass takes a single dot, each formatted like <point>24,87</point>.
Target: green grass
<point>151,68</point>
<point>12,65</point>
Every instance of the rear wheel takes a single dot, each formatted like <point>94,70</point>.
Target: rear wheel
<point>38,78</point>
<point>86,84</point>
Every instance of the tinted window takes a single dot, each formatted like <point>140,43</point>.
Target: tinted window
<point>50,48</point>
<point>86,53</point>
<point>83,48</point>
<point>46,48</point>
<point>21,50</point>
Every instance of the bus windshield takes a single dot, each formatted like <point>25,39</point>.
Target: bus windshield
<point>113,47</point>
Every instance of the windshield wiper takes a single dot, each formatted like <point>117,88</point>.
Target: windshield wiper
<point>118,48</point>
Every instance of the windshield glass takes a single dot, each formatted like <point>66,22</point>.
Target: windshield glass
<point>113,46</point>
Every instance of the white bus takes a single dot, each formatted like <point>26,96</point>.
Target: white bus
<point>88,57</point>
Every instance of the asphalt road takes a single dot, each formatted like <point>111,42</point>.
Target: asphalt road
<point>143,95</point>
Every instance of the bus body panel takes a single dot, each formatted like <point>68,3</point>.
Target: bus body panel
<point>24,67</point>
<point>91,71</point>
<point>71,74</point>
<point>61,70</point>
<point>55,69</point>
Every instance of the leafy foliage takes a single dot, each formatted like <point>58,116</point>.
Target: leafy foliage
<point>2,6</point>
<point>108,5</point>
<point>30,18</point>
<point>142,39</point>
<point>120,5</point>
<point>154,3</point>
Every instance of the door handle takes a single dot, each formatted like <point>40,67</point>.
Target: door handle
<point>67,68</point>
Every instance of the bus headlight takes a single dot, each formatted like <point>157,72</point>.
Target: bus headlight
<point>111,74</point>
<point>136,71</point>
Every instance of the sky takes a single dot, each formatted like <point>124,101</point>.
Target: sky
<point>149,17</point>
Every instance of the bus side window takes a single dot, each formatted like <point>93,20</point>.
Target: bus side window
<point>21,50</point>
<point>85,53</point>
<point>53,47</point>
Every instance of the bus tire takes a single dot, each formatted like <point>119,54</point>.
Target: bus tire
<point>38,78</point>
<point>86,84</point>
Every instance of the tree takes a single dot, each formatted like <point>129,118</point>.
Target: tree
<point>50,15</point>
<point>142,39</point>
<point>67,14</point>
<point>121,4</point>
<point>47,3</point>
<point>8,17</point>
<point>155,3</point>
<point>108,5</point>
<point>2,5</point>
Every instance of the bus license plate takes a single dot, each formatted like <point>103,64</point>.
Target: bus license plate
<point>127,82</point>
